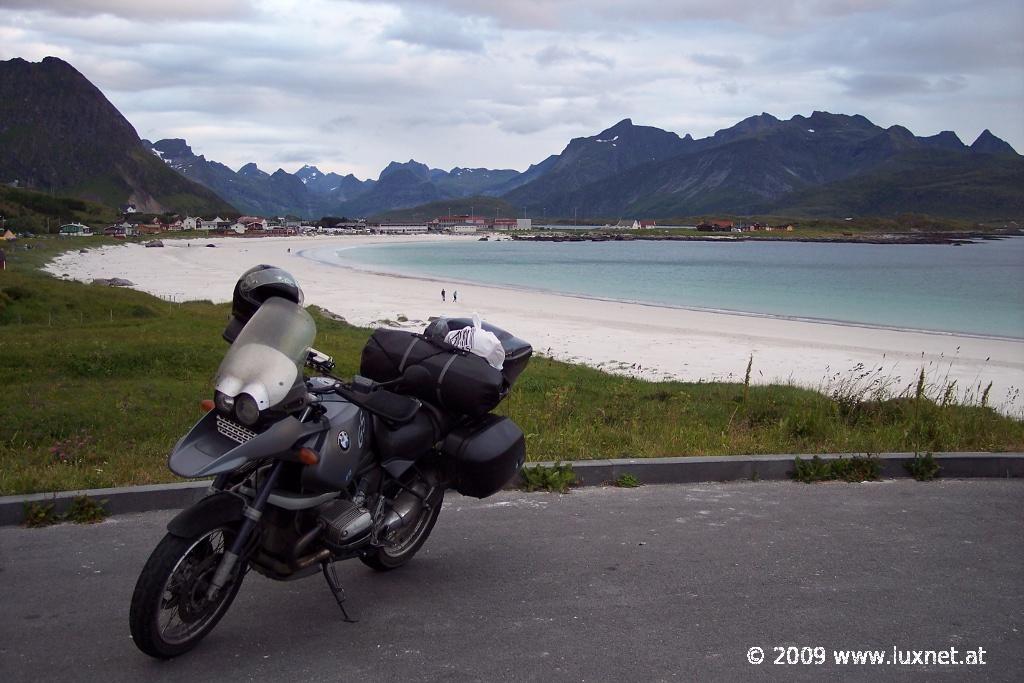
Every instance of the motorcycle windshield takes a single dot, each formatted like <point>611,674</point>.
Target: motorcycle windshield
<point>267,357</point>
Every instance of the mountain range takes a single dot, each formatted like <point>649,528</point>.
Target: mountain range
<point>65,135</point>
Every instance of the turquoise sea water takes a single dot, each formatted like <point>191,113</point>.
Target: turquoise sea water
<point>976,289</point>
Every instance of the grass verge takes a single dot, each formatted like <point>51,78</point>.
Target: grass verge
<point>100,382</point>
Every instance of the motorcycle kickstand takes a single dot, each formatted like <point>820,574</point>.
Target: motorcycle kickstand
<point>337,590</point>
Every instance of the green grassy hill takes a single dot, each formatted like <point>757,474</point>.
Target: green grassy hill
<point>39,212</point>
<point>480,206</point>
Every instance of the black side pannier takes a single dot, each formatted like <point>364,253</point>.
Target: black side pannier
<point>454,380</point>
<point>485,455</point>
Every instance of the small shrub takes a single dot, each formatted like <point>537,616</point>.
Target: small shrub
<point>402,318</point>
<point>557,478</point>
<point>626,481</point>
<point>85,510</point>
<point>69,451</point>
<point>39,514</point>
<point>140,311</point>
<point>17,293</point>
<point>844,469</point>
<point>923,467</point>
<point>857,469</point>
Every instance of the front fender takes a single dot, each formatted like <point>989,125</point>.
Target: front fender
<point>208,513</point>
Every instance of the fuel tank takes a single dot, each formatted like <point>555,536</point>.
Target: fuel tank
<point>344,448</point>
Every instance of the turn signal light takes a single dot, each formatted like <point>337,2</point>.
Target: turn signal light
<point>206,404</point>
<point>308,456</point>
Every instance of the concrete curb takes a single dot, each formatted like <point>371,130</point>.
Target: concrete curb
<point>779,467</point>
<point>588,472</point>
<point>116,501</point>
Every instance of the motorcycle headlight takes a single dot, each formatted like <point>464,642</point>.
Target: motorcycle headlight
<point>246,410</point>
<point>225,404</point>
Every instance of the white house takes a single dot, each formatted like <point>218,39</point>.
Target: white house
<point>75,230</point>
<point>402,228</point>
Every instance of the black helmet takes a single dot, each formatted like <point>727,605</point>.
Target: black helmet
<point>256,285</point>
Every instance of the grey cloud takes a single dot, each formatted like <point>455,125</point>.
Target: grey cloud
<point>886,84</point>
<point>556,54</point>
<point>583,15</point>
<point>438,31</point>
<point>296,155</point>
<point>719,61</point>
<point>338,123</point>
<point>942,38</point>
<point>181,10</point>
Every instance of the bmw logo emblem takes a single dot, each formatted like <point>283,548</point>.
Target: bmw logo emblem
<point>343,440</point>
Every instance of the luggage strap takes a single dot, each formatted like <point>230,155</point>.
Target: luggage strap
<point>405,356</point>
<point>440,378</point>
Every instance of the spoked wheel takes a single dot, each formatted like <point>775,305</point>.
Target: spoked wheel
<point>401,545</point>
<point>170,612</point>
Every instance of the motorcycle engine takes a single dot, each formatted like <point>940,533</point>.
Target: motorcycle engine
<point>346,525</point>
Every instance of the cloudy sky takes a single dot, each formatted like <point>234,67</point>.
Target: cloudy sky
<point>351,85</point>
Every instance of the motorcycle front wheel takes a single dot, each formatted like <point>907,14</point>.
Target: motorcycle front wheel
<point>170,613</point>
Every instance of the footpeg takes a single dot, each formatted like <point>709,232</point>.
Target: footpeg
<point>336,589</point>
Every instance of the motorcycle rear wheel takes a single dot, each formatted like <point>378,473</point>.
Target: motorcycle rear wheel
<point>408,540</point>
<point>169,612</point>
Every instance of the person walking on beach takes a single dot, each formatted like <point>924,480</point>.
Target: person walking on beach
<point>455,297</point>
<point>442,296</point>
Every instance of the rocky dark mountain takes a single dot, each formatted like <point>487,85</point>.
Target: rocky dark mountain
<point>402,185</point>
<point>311,193</point>
<point>803,165</point>
<point>584,161</point>
<point>990,144</point>
<point>337,187</point>
<point>307,193</point>
<point>60,134</point>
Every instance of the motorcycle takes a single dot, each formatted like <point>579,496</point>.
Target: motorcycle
<point>311,469</point>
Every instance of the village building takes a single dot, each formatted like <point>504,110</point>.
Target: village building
<point>281,231</point>
<point>504,224</point>
<point>121,230</point>
<point>447,222</point>
<point>716,225</point>
<point>75,230</point>
<point>398,228</point>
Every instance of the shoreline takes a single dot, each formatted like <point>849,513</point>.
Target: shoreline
<point>651,342</point>
<point>634,302</point>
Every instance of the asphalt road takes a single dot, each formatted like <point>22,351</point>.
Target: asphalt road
<point>655,583</point>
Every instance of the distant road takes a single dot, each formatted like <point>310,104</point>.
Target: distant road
<point>654,583</point>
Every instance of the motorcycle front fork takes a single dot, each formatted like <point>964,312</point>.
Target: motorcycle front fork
<point>252,514</point>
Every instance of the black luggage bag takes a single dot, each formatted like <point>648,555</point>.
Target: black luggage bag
<point>454,380</point>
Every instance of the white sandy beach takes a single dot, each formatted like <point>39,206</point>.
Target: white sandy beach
<point>651,342</point>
